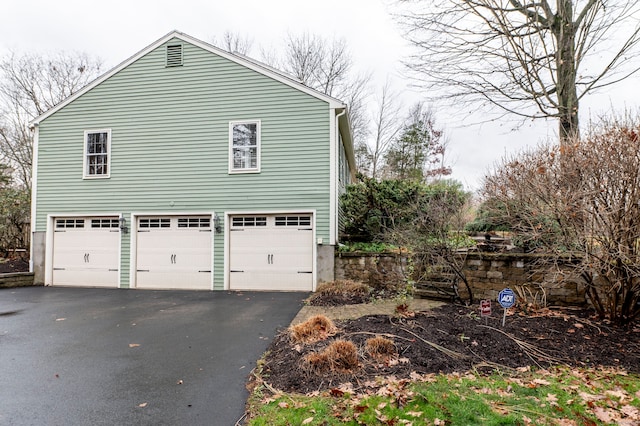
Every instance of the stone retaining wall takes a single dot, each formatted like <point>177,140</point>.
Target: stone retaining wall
<point>487,273</point>
<point>16,279</point>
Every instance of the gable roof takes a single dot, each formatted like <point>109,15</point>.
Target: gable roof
<point>241,60</point>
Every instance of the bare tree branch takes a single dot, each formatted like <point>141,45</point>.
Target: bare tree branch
<point>29,86</point>
<point>578,205</point>
<point>533,59</point>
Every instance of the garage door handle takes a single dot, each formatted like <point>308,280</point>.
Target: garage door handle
<point>59,269</point>
<point>305,272</point>
<point>204,271</point>
<point>113,270</point>
<point>142,270</point>
<point>236,271</point>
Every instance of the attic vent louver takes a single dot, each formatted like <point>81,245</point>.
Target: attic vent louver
<point>174,55</point>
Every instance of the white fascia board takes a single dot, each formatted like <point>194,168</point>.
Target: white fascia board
<point>333,176</point>
<point>253,65</point>
<point>34,192</point>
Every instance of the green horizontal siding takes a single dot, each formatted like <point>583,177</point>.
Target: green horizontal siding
<point>170,145</point>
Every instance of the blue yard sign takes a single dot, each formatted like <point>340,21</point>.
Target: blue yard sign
<point>506,298</point>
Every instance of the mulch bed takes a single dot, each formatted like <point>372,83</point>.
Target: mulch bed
<point>551,337</point>
<point>13,265</point>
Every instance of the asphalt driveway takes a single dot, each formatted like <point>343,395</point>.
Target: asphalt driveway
<point>132,357</point>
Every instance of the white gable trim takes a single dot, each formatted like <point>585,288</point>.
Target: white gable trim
<point>251,64</point>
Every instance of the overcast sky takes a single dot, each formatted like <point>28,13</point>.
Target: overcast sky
<point>114,30</point>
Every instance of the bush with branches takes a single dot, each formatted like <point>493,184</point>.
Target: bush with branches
<point>423,219</point>
<point>579,204</point>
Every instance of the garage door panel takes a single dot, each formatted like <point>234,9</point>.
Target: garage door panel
<point>84,255</point>
<point>270,280</point>
<point>174,257</point>
<point>85,277</point>
<point>278,255</point>
<point>174,279</point>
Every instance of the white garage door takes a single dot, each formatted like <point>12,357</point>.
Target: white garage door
<point>271,252</point>
<point>85,252</point>
<point>174,253</point>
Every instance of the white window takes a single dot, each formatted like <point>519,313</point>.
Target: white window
<point>244,146</point>
<point>97,153</point>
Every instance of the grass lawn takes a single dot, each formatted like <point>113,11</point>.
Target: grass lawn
<point>555,396</point>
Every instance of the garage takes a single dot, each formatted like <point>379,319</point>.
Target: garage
<point>271,252</point>
<point>174,252</point>
<point>86,251</point>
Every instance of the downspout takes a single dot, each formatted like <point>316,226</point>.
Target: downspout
<point>336,180</point>
<point>34,189</point>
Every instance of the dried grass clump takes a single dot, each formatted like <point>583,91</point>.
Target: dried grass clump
<point>343,287</point>
<point>380,347</point>
<point>340,356</point>
<point>316,328</point>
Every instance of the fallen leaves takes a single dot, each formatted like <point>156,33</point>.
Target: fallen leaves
<point>134,345</point>
<point>553,395</point>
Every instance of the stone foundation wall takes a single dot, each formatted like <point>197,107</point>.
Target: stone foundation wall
<point>383,270</point>
<point>16,279</point>
<point>487,273</point>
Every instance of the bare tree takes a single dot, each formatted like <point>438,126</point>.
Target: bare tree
<point>386,125</point>
<point>579,206</point>
<point>533,59</point>
<point>235,43</point>
<point>327,66</point>
<point>29,86</point>
<point>319,64</point>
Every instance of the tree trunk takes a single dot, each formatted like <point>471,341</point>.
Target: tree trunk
<point>565,31</point>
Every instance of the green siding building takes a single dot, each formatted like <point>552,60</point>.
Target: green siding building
<point>187,167</point>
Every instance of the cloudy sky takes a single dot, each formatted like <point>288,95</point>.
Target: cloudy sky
<point>116,29</point>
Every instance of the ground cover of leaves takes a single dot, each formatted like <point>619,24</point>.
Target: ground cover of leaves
<point>13,265</point>
<point>454,338</point>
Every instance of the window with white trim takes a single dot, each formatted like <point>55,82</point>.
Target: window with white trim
<point>105,223</point>
<point>244,221</point>
<point>293,220</point>
<point>194,222</point>
<point>97,153</point>
<point>244,146</point>
<point>154,222</point>
<point>69,223</point>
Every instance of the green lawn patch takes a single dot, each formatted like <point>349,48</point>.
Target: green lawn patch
<point>557,396</point>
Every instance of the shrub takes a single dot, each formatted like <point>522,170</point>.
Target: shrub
<point>380,348</point>
<point>579,204</point>
<point>316,328</point>
<point>340,356</point>
<point>344,287</point>
<point>372,208</point>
